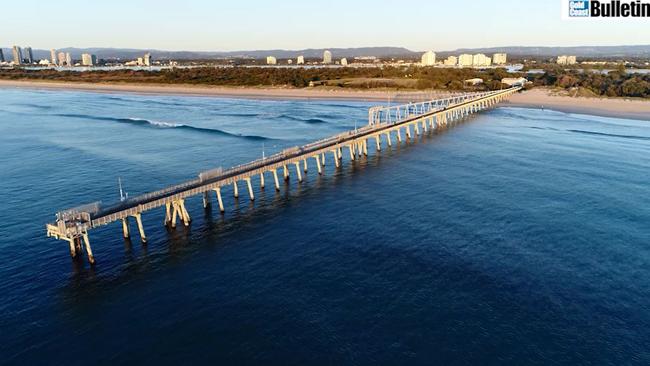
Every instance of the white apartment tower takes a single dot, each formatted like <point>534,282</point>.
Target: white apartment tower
<point>566,60</point>
<point>18,55</point>
<point>300,60</point>
<point>270,60</point>
<point>61,59</point>
<point>480,59</point>
<point>465,60</point>
<point>451,61</point>
<point>327,57</point>
<point>88,59</point>
<point>428,58</point>
<point>499,58</point>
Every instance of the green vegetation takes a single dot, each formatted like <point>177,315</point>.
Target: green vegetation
<point>616,83</point>
<point>586,82</point>
<point>344,77</point>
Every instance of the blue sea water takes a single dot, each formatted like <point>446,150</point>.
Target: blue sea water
<point>518,237</point>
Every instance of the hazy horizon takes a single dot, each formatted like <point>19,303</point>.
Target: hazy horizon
<point>200,26</point>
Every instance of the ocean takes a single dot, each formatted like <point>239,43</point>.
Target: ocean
<point>519,236</point>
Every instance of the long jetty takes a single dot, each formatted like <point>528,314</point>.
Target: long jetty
<point>73,225</point>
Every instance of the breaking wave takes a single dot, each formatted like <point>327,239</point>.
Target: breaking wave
<point>163,125</point>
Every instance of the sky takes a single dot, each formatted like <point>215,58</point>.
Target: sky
<point>202,25</point>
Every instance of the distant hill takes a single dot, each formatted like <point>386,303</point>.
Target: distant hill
<point>130,54</point>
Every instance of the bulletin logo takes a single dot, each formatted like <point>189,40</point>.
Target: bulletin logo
<point>594,9</point>
<point>578,8</point>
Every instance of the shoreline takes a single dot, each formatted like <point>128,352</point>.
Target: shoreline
<point>603,107</point>
<point>536,98</point>
<point>209,91</point>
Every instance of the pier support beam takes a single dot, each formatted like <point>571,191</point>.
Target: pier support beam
<point>174,214</point>
<point>378,142</point>
<point>184,214</point>
<point>285,171</point>
<point>206,200</point>
<point>250,189</point>
<point>298,173</point>
<point>365,147</point>
<point>179,210</point>
<point>219,200</point>
<point>125,228</point>
<point>235,189</point>
<point>399,135</point>
<point>138,220</point>
<point>262,180</point>
<point>337,163</point>
<point>304,163</point>
<point>322,159</point>
<point>275,177</point>
<point>352,148</point>
<point>388,139</point>
<point>73,250</point>
<point>89,251</point>
<point>168,213</point>
<point>320,168</point>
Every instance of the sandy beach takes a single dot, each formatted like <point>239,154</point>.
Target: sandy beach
<point>605,107</point>
<point>536,98</point>
<point>219,91</point>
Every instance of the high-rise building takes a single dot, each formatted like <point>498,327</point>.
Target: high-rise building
<point>451,61</point>
<point>53,56</point>
<point>289,62</point>
<point>28,55</point>
<point>147,59</point>
<point>327,57</point>
<point>270,60</point>
<point>499,58</point>
<point>478,59</point>
<point>18,55</point>
<point>68,59</point>
<point>465,60</point>
<point>88,59</point>
<point>300,60</point>
<point>566,60</point>
<point>428,58</point>
<point>61,59</point>
<point>344,61</point>
<point>2,56</point>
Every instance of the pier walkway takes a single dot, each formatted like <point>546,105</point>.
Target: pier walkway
<point>73,225</point>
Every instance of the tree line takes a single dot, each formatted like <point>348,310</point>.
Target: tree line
<point>616,83</point>
<point>345,77</point>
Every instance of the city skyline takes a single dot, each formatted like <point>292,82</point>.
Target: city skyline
<point>202,26</point>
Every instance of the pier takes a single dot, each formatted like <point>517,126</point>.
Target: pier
<point>385,123</point>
